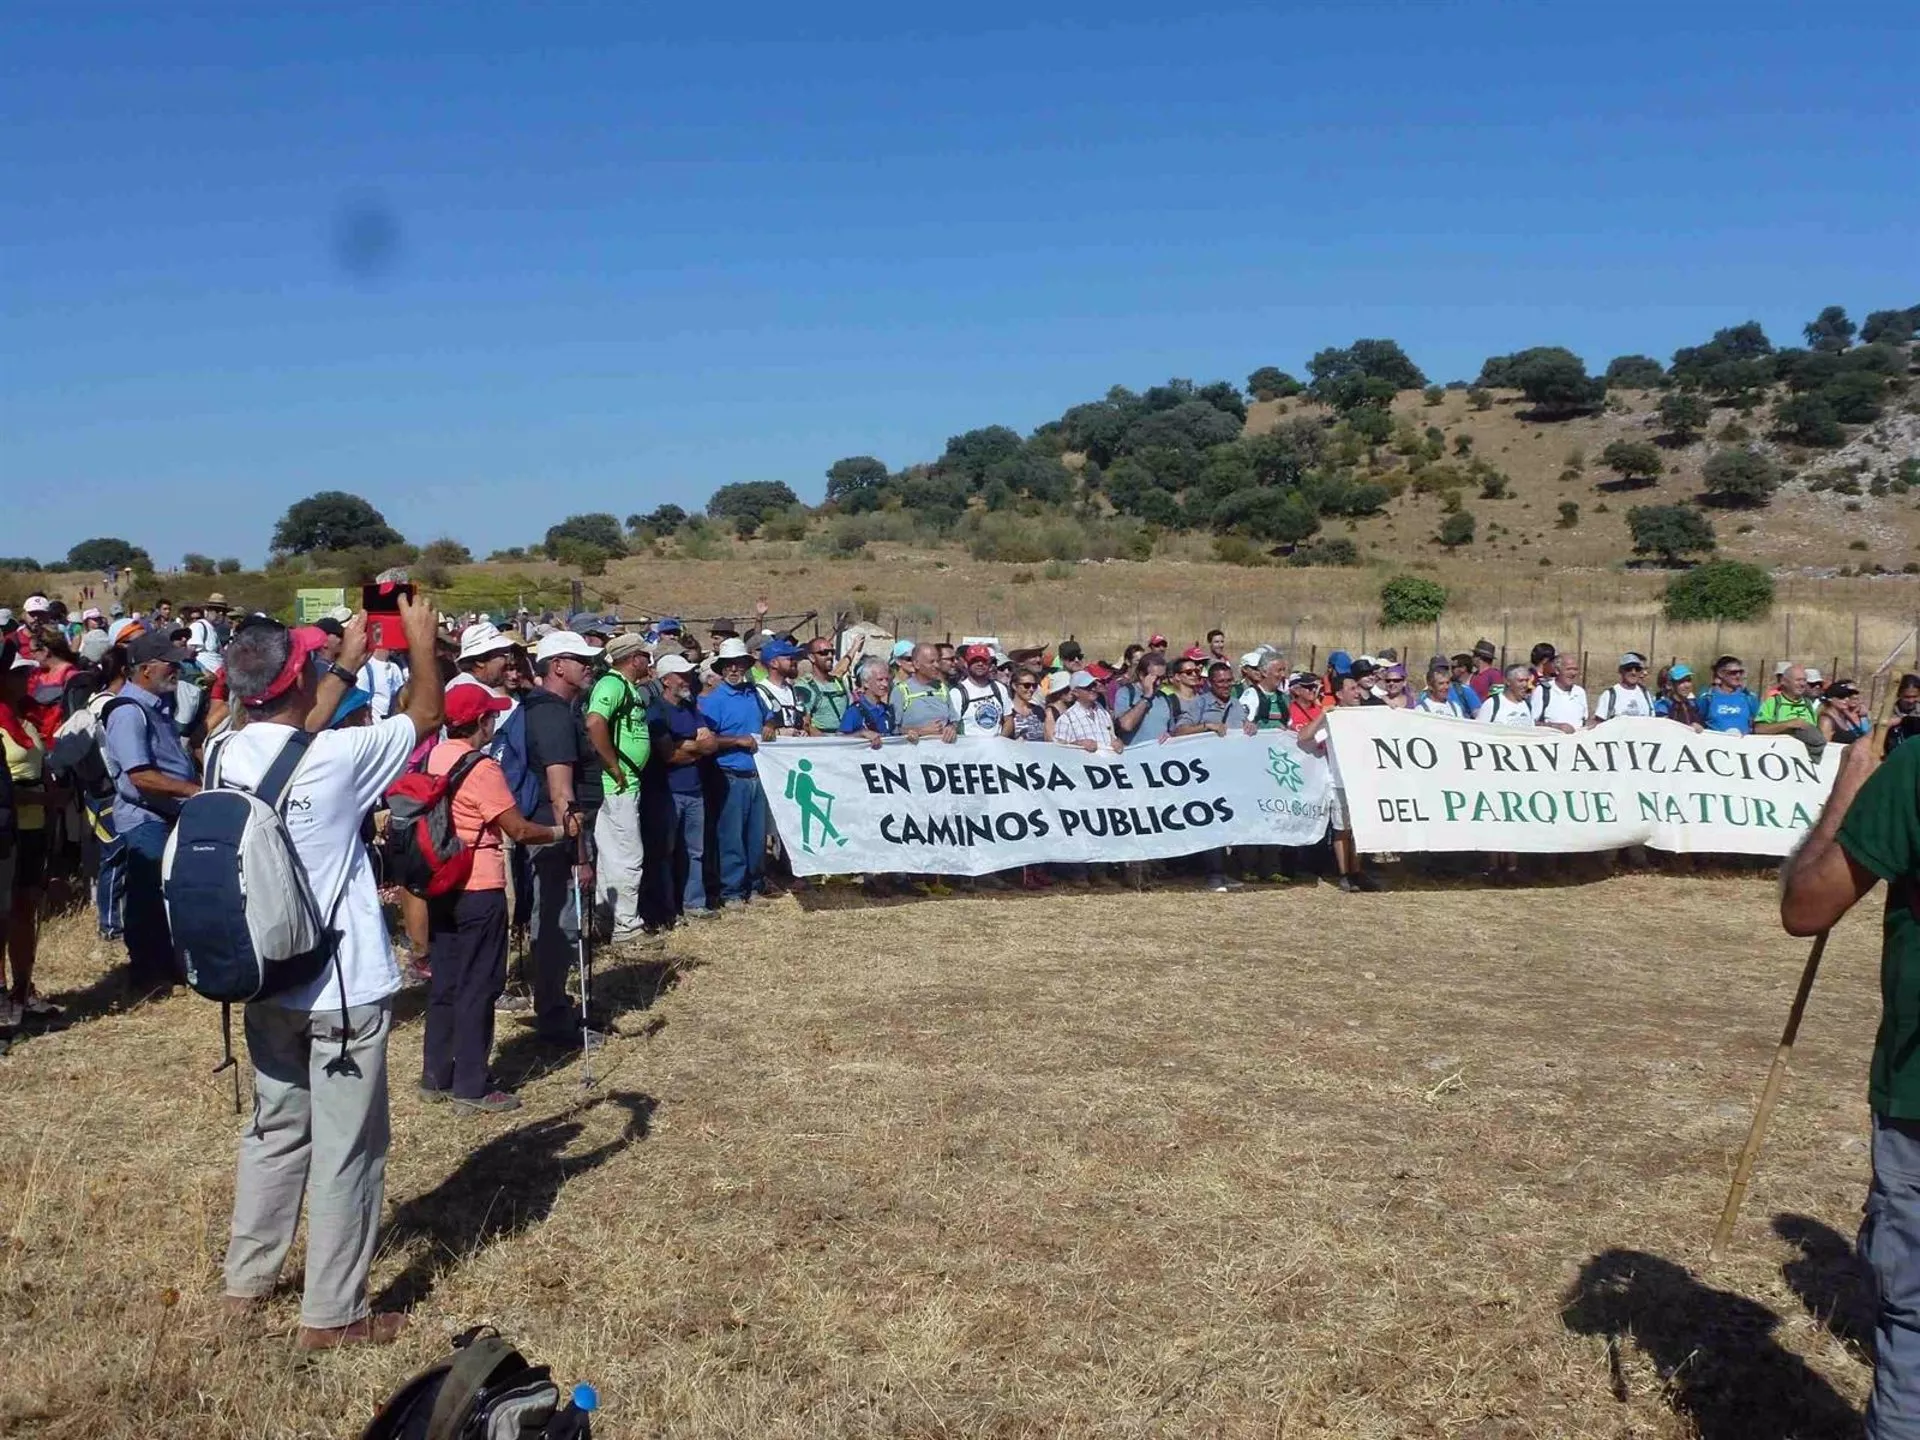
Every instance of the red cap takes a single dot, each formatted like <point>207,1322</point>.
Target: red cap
<point>1156,642</point>
<point>1193,652</point>
<point>465,704</point>
<point>970,653</point>
<point>307,639</point>
<point>1099,671</point>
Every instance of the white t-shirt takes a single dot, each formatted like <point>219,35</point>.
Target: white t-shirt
<point>382,680</point>
<point>344,775</point>
<point>1552,705</point>
<point>980,707</point>
<point>1618,700</point>
<point>1443,706</point>
<point>789,715</point>
<point>1499,710</point>
<point>202,636</point>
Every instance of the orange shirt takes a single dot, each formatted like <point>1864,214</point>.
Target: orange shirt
<point>478,804</point>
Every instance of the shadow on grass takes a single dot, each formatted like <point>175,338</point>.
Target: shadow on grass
<point>1832,1281</point>
<point>1719,1365</point>
<point>503,1188</point>
<point>626,987</point>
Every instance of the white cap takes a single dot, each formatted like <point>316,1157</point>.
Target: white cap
<point>1083,680</point>
<point>342,613</point>
<point>1253,659</point>
<point>1813,676</point>
<point>1058,680</point>
<point>673,665</point>
<point>35,603</point>
<point>120,627</point>
<point>731,648</point>
<point>92,612</point>
<point>563,642</point>
<point>483,638</point>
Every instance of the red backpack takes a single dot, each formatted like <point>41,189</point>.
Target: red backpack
<point>422,852</point>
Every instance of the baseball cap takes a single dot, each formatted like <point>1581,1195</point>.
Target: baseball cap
<point>902,649</point>
<point>1253,660</point>
<point>1100,671</point>
<point>971,653</point>
<point>1301,677</point>
<point>483,638</point>
<point>357,699</point>
<point>306,641</point>
<point>583,622</point>
<point>149,648</point>
<point>667,625</point>
<point>1340,662</point>
<point>467,702</point>
<point>1057,680</point>
<point>624,647</point>
<point>1082,680</point>
<point>673,665</point>
<point>563,642</point>
<point>327,625</point>
<point>1156,642</point>
<point>92,612</point>
<point>1813,676</point>
<point>35,604</point>
<point>779,650</point>
<point>1679,672</point>
<point>1633,660</point>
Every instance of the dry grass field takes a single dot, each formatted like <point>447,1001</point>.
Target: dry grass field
<point>1438,1163</point>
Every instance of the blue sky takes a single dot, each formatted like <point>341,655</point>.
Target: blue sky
<point>641,251</point>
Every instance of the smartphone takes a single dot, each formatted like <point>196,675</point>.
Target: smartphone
<point>382,604</point>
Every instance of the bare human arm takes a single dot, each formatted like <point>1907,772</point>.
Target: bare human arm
<point>1821,881</point>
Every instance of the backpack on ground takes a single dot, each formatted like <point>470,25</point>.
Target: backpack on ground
<point>244,919</point>
<point>510,749</point>
<point>484,1390</point>
<point>422,853</point>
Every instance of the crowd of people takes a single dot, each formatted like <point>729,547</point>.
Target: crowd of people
<point>588,759</point>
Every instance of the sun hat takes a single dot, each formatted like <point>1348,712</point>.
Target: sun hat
<point>624,647</point>
<point>731,648</point>
<point>467,702</point>
<point>483,638</point>
<point>216,601</point>
<point>1483,649</point>
<point>563,643</point>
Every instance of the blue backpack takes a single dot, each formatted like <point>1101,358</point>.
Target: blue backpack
<point>509,747</point>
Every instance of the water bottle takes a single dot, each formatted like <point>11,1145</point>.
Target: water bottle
<point>574,1421</point>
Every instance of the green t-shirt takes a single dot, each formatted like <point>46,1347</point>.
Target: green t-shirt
<point>612,699</point>
<point>1777,709</point>
<point>1882,834</point>
<point>826,701</point>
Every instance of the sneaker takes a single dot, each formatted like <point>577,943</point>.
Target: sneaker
<point>736,902</point>
<point>494,1102</point>
<point>511,1004</point>
<point>10,1013</point>
<point>1218,887</point>
<point>707,914</point>
<point>1362,880</point>
<point>432,1094</point>
<point>1346,886</point>
<point>1233,884</point>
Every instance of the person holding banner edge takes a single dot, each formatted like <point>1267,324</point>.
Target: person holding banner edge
<point>1869,832</point>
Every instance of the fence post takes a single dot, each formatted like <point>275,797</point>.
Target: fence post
<point>1438,648</point>
<point>1580,639</point>
<point>1856,644</point>
<point>1653,638</point>
<point>1293,642</point>
<point>1363,634</point>
<point>1506,622</point>
<point>1788,652</point>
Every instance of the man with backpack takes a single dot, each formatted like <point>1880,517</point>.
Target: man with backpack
<point>981,705</point>
<point>544,754</point>
<point>318,1046</point>
<point>1141,712</point>
<point>152,776</point>
<point>616,723</point>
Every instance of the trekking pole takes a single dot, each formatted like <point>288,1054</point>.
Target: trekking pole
<point>1769,1097</point>
<point>582,919</point>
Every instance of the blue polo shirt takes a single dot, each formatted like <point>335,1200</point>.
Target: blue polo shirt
<point>140,736</point>
<point>679,724</point>
<point>863,715</point>
<point>734,710</point>
<point>1729,711</point>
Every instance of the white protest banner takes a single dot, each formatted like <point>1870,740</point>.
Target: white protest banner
<point>1418,782</point>
<point>984,803</point>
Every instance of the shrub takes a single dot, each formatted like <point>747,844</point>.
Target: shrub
<point>1335,551</point>
<point>1569,514</point>
<point>1634,461</point>
<point>1856,545</point>
<point>1720,590</point>
<point>1808,420</point>
<point>1457,529</point>
<point>1237,550</point>
<point>1670,531</point>
<point>446,552</point>
<point>1740,478</point>
<point>228,566</point>
<point>1433,394</point>
<point>1463,445</point>
<point>1684,414</point>
<point>1410,600</point>
<point>1493,486</point>
<point>196,564</point>
<point>1479,398</point>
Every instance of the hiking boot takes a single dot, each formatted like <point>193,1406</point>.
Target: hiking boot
<point>1362,880</point>
<point>378,1329</point>
<point>1346,886</point>
<point>509,1004</point>
<point>494,1102</point>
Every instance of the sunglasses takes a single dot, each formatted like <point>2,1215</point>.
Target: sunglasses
<point>1024,685</point>
<point>1734,672</point>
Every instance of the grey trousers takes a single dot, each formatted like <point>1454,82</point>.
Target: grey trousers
<point>617,864</point>
<point>1890,1244</point>
<point>315,1135</point>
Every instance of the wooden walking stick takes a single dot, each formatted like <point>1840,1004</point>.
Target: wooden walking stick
<point>1769,1097</point>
